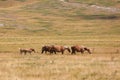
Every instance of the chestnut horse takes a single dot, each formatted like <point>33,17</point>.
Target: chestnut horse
<point>61,49</point>
<point>81,49</point>
<point>30,50</point>
<point>46,48</point>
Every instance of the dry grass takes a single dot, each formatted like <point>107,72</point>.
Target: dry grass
<point>103,64</point>
<point>56,67</point>
<point>108,44</point>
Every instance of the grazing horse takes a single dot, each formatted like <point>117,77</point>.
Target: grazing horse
<point>78,48</point>
<point>30,50</point>
<point>46,48</point>
<point>61,49</point>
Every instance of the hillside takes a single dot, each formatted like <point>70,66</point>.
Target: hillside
<point>14,3</point>
<point>113,3</point>
<point>46,17</point>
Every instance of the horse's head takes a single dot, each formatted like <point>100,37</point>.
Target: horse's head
<point>20,48</point>
<point>88,50</point>
<point>32,50</point>
<point>67,48</point>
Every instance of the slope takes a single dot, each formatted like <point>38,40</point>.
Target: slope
<point>55,17</point>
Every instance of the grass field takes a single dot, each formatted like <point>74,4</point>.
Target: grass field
<point>102,64</point>
<point>32,24</point>
<point>102,43</point>
<point>56,67</point>
<point>99,2</point>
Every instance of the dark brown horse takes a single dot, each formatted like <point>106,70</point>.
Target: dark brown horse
<point>61,49</point>
<point>46,48</point>
<point>81,49</point>
<point>30,50</point>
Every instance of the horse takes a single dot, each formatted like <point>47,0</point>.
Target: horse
<point>56,48</point>
<point>46,48</point>
<point>81,49</point>
<point>30,50</point>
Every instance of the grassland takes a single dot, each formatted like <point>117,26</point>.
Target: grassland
<point>14,3</point>
<point>100,44</point>
<point>115,3</point>
<point>102,64</point>
<point>28,24</point>
<point>40,19</point>
<point>57,67</point>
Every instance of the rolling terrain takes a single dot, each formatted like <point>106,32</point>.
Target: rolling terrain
<point>34,23</point>
<point>37,18</point>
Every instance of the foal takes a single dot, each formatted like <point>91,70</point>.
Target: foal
<point>30,50</point>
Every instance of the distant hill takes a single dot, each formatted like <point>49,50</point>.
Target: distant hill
<point>56,17</point>
<point>113,3</point>
<point>13,3</point>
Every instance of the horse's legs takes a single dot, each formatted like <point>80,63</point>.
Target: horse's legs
<point>82,51</point>
<point>51,52</point>
<point>30,52</point>
<point>73,52</point>
<point>45,52</point>
<point>54,52</point>
<point>20,52</point>
<point>42,52</point>
<point>25,53</point>
<point>62,52</point>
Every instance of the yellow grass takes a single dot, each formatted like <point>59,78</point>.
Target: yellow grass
<point>56,67</point>
<point>102,64</point>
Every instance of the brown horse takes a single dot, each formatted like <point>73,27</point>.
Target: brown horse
<point>81,49</point>
<point>30,50</point>
<point>61,49</point>
<point>46,48</point>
